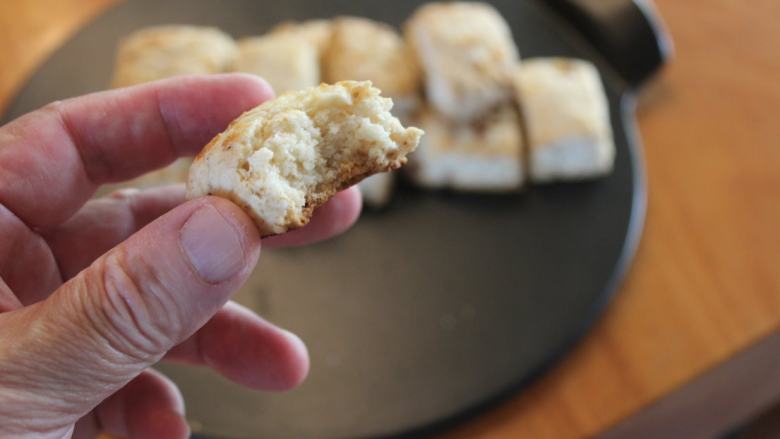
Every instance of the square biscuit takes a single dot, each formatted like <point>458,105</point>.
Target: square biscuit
<point>483,156</point>
<point>467,53</point>
<point>287,62</point>
<point>316,31</point>
<point>164,51</point>
<point>566,117</point>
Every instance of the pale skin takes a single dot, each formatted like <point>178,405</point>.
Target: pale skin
<point>94,292</point>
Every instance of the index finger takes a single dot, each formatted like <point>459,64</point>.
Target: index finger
<point>53,159</point>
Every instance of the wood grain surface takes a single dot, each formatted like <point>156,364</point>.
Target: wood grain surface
<point>703,296</point>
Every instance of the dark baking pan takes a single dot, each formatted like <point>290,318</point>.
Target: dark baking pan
<point>443,303</point>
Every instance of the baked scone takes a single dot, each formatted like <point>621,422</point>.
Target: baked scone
<point>485,156</point>
<point>287,62</point>
<point>164,51</point>
<point>377,189</point>
<point>566,118</point>
<point>364,50</point>
<point>317,32</point>
<point>467,54</point>
<point>282,159</point>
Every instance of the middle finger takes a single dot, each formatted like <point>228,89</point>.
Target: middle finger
<point>105,222</point>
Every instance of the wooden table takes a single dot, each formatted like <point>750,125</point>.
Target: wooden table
<point>691,345</point>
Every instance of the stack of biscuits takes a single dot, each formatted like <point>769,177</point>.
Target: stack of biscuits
<point>492,121</point>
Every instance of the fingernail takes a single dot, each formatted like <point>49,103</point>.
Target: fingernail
<point>212,244</point>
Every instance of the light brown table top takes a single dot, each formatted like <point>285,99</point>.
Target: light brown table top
<point>691,344</point>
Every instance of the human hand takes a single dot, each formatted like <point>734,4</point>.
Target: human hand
<point>93,292</point>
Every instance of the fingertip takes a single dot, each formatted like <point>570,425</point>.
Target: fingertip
<point>352,204</point>
<point>297,363</point>
<point>285,366</point>
<point>331,219</point>
<point>237,216</point>
<point>159,423</point>
<point>219,243</point>
<point>196,108</point>
<point>256,86</point>
<point>338,214</point>
<point>251,351</point>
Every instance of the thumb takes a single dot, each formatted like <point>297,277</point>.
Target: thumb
<point>124,312</point>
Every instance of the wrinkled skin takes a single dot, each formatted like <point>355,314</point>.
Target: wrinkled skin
<point>93,292</point>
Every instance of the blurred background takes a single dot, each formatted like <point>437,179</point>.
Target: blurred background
<point>690,345</point>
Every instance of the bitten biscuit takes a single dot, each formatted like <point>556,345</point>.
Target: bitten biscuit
<point>467,53</point>
<point>366,50</point>
<point>566,117</point>
<point>164,51</point>
<point>287,62</point>
<point>483,156</point>
<point>316,32</point>
<point>281,160</point>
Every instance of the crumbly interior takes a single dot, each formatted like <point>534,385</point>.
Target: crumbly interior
<point>298,150</point>
<point>336,138</point>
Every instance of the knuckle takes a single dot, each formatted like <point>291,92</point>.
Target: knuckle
<point>53,107</point>
<point>132,310</point>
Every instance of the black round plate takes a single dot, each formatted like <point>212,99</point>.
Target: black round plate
<point>423,312</point>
